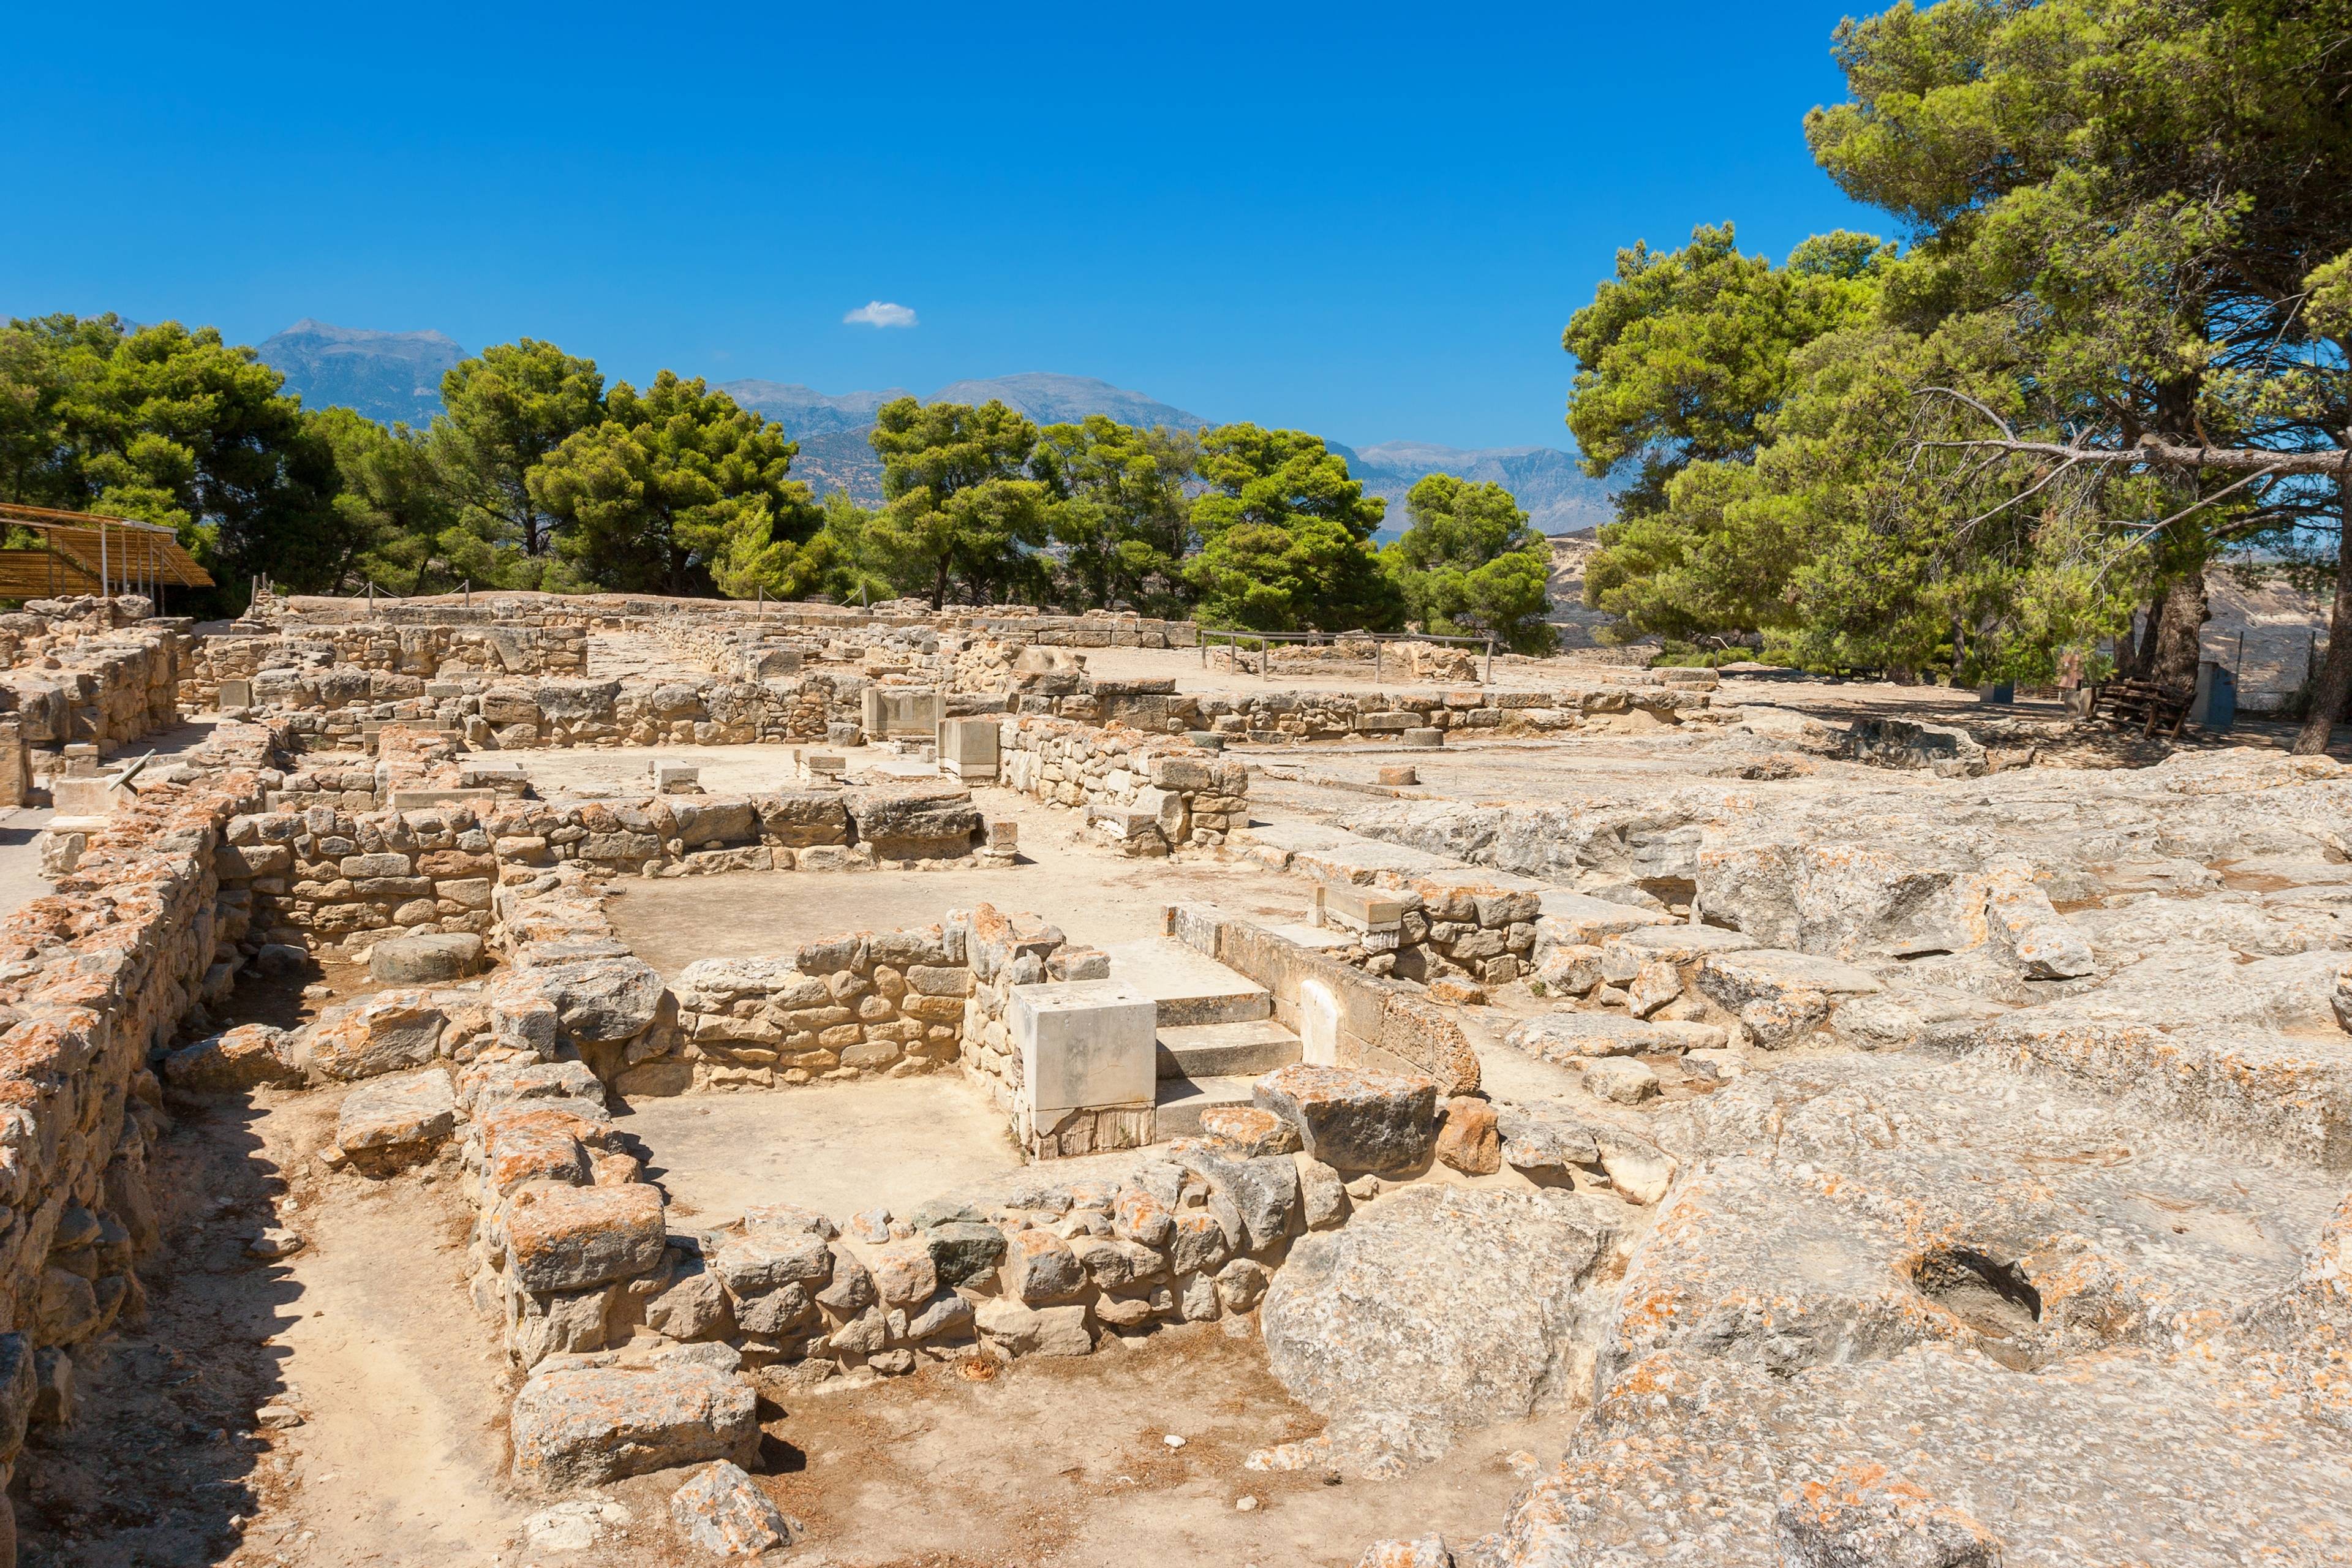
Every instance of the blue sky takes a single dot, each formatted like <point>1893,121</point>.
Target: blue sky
<point>1367,222</point>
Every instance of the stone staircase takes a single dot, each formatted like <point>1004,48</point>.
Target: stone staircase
<point>1217,1033</point>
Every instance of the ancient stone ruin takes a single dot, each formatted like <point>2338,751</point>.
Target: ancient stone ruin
<point>592,1080</point>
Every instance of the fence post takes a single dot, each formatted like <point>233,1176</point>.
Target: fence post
<point>469,592</point>
<point>1490,662</point>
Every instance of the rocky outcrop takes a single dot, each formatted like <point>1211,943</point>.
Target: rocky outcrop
<point>1438,1310</point>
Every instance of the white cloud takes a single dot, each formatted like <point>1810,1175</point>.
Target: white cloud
<point>880,313</point>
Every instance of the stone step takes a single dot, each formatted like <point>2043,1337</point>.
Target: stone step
<point>1224,1050</point>
<point>1188,987</point>
<point>1183,1100</point>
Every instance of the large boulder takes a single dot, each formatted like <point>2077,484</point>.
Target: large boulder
<point>581,1426</point>
<point>396,1121</point>
<point>914,823</point>
<point>424,959</point>
<point>602,1001</point>
<point>1353,1118</point>
<point>248,1057</point>
<point>1436,1311</point>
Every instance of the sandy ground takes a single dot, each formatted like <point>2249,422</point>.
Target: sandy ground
<point>1096,897</point>
<point>835,1148</point>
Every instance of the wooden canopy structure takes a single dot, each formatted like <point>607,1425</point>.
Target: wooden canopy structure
<point>82,552</point>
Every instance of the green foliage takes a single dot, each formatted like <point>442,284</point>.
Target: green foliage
<point>1469,565</point>
<point>676,480</point>
<point>959,513</point>
<point>391,503</point>
<point>1285,536</point>
<point>2131,220</point>
<point>1120,512</point>
<point>504,412</point>
<point>1681,355</point>
<point>173,427</point>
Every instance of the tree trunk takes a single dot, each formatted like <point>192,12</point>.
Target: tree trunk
<point>940,587</point>
<point>2178,630</point>
<point>2335,682</point>
<point>2136,656</point>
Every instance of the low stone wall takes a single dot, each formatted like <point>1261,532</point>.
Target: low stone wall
<point>98,975</point>
<point>333,666</point>
<point>1145,794</point>
<point>624,612</point>
<point>328,875</point>
<point>1284,717</point>
<point>858,1005</point>
<point>685,835</point>
<point>86,670</point>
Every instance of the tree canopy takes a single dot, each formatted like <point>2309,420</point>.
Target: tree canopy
<point>1285,536</point>
<point>1471,566</point>
<point>2109,353</point>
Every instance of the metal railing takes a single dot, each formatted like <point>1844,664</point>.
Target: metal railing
<point>1266,652</point>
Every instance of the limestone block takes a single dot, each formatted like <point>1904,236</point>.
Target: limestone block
<point>396,1121</point>
<point>247,1056</point>
<point>579,1426</point>
<point>568,1238</point>
<point>1083,1043</point>
<point>1353,1118</point>
<point>426,958</point>
<point>388,1032</point>
<point>968,748</point>
<point>901,710</point>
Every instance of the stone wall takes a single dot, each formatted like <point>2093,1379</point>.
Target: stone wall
<point>100,974</point>
<point>622,612</point>
<point>330,876</point>
<point>337,665</point>
<point>1145,794</point>
<point>89,670</point>
<point>861,1004</point>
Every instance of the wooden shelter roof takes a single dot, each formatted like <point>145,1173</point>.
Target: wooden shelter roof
<point>81,542</point>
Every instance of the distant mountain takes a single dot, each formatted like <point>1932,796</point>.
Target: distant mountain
<point>1556,495</point>
<point>397,376</point>
<point>388,376</point>
<point>1064,399</point>
<point>805,412</point>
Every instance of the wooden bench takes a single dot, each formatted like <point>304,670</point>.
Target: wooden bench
<point>2121,702</point>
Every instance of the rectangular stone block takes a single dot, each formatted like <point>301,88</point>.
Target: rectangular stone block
<point>901,710</point>
<point>1362,909</point>
<point>233,694</point>
<point>968,748</point>
<point>1083,1043</point>
<point>671,776</point>
<point>94,796</point>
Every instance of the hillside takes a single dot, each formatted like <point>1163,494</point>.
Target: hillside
<point>394,377</point>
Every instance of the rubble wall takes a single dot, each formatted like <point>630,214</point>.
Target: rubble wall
<point>1145,794</point>
<point>87,670</point>
<point>100,974</point>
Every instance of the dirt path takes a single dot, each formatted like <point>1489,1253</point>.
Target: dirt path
<point>366,1335</point>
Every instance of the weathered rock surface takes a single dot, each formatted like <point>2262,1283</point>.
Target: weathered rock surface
<point>724,1512</point>
<point>425,959</point>
<point>396,1121</point>
<point>1435,1310</point>
<point>1354,1118</point>
<point>581,1426</point>
<point>248,1057</point>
